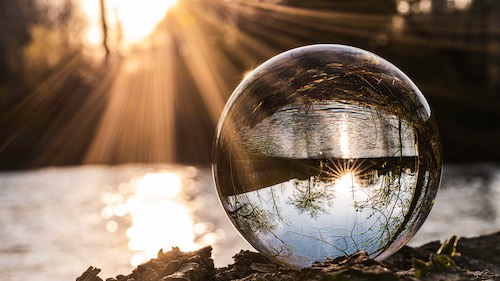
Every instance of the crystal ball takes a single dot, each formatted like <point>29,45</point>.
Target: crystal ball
<point>326,150</point>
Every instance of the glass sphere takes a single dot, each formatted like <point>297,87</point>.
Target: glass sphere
<point>326,150</point>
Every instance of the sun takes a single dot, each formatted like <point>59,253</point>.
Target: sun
<point>136,19</point>
<point>139,18</point>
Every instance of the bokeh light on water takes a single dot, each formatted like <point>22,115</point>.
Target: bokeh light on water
<point>159,220</point>
<point>159,214</point>
<point>113,218</point>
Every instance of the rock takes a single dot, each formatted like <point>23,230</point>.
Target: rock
<point>187,272</point>
<point>355,267</point>
<point>90,275</point>
<point>173,265</point>
<point>485,250</point>
<point>479,260</point>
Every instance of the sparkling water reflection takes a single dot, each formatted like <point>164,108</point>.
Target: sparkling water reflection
<point>56,222</point>
<point>110,217</point>
<point>154,199</point>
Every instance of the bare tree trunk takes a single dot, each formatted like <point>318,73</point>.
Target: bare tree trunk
<point>104,29</point>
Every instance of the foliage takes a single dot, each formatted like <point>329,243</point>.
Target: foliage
<point>440,261</point>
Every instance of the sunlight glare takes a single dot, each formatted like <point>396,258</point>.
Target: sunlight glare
<point>344,139</point>
<point>158,186</point>
<point>247,73</point>
<point>347,180</point>
<point>348,187</point>
<point>139,18</point>
<point>159,221</point>
<point>91,10</point>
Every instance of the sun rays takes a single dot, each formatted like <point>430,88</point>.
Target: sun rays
<point>342,169</point>
<point>186,69</point>
<point>166,96</point>
<point>160,102</point>
<point>129,21</point>
<point>138,122</point>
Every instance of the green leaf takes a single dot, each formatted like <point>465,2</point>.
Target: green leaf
<point>449,247</point>
<point>440,261</point>
<point>421,267</point>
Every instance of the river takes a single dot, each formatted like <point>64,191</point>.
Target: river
<point>57,221</point>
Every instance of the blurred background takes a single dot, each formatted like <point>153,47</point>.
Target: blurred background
<point>108,110</point>
<point>118,81</point>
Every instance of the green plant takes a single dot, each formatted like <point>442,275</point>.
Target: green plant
<point>440,261</point>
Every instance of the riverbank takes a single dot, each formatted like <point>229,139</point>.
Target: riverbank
<point>479,259</point>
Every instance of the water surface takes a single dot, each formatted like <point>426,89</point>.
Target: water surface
<point>55,222</point>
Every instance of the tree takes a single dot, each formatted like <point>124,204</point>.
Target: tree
<point>104,28</point>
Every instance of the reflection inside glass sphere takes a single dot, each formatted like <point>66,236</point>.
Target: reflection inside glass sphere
<point>326,150</point>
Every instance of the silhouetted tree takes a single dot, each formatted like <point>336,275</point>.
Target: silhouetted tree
<point>16,18</point>
<point>104,25</point>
